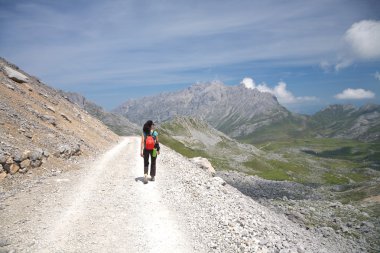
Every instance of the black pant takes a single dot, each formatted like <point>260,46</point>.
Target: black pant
<point>148,153</point>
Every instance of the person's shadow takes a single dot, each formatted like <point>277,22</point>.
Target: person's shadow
<point>141,179</point>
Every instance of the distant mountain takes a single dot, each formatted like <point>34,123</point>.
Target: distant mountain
<point>194,137</point>
<point>347,122</point>
<point>235,110</point>
<point>117,123</point>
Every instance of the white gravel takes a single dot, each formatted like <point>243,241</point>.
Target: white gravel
<point>105,207</point>
<point>102,208</point>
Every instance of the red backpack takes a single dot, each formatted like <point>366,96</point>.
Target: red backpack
<point>149,142</point>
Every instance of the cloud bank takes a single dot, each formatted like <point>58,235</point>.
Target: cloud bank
<point>355,94</point>
<point>364,39</point>
<point>360,42</point>
<point>283,95</point>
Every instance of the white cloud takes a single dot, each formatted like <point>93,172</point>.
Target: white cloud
<point>364,39</point>
<point>249,83</point>
<point>355,94</point>
<point>344,63</point>
<point>283,95</point>
<point>362,42</point>
<point>377,75</point>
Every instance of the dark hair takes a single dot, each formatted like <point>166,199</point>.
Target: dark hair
<point>150,123</point>
<point>147,126</point>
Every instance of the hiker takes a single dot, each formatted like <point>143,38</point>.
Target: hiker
<point>149,147</point>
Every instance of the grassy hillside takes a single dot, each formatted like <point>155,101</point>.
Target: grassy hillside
<point>350,164</point>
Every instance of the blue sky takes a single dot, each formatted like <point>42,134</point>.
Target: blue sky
<point>308,53</point>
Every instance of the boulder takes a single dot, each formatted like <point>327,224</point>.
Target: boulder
<point>64,149</point>
<point>25,155</point>
<point>23,171</point>
<point>49,119</point>
<point>36,155</point>
<point>15,75</point>
<point>3,175</point>
<point>46,153</point>
<point>25,164</point>
<point>36,163</point>
<point>204,164</point>
<point>1,168</point>
<point>76,150</point>
<point>17,157</point>
<point>9,161</point>
<point>13,168</point>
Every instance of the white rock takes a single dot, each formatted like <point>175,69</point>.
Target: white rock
<point>15,75</point>
<point>204,164</point>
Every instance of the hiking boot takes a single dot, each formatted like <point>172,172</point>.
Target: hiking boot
<point>152,178</point>
<point>145,179</point>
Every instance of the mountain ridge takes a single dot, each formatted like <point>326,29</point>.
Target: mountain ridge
<point>117,123</point>
<point>234,110</point>
<point>253,116</point>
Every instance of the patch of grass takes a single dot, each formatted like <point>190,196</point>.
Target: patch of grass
<point>353,195</point>
<point>334,179</point>
<point>174,127</point>
<point>335,164</point>
<point>274,174</point>
<point>181,148</point>
<point>277,170</point>
<point>222,144</point>
<point>220,164</point>
<point>358,177</point>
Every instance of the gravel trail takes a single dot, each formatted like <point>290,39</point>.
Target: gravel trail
<point>102,208</point>
<point>105,207</point>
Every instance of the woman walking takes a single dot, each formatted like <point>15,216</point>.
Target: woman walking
<point>149,148</point>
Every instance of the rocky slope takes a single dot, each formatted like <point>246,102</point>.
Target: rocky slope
<point>117,123</point>
<point>313,208</point>
<point>194,137</point>
<point>40,128</point>
<point>348,122</point>
<point>234,110</point>
<point>227,221</point>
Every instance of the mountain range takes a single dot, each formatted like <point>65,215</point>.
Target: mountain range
<point>253,116</point>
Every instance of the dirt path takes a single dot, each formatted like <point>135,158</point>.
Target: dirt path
<point>102,208</point>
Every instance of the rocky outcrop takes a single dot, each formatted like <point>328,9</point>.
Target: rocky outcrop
<point>36,117</point>
<point>15,75</point>
<point>117,123</point>
<point>204,164</point>
<point>21,162</point>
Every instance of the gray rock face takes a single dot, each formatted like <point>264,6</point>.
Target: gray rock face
<point>234,110</point>
<point>117,123</point>
<point>348,122</point>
